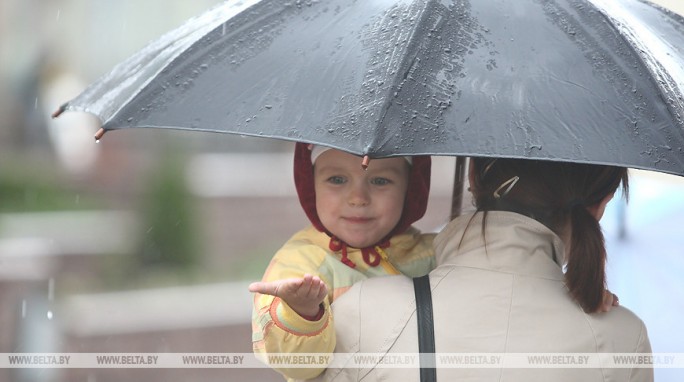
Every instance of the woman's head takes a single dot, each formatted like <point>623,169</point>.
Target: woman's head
<point>568,198</point>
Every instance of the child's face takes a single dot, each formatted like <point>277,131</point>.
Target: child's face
<point>359,206</point>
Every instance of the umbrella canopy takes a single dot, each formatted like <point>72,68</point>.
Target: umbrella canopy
<point>591,81</point>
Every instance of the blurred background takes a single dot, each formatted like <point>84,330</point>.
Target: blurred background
<point>146,241</point>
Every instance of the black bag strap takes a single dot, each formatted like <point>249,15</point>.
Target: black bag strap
<point>426,329</point>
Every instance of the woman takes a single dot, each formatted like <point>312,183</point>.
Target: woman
<point>500,287</point>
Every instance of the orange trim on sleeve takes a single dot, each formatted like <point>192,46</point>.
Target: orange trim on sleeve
<point>273,311</point>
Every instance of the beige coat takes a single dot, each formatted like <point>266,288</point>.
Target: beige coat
<point>508,299</point>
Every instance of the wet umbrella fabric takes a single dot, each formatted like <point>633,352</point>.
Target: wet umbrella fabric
<point>592,81</point>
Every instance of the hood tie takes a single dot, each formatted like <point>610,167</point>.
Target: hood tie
<point>338,245</point>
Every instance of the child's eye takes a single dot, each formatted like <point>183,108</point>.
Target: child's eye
<point>336,180</point>
<point>380,181</point>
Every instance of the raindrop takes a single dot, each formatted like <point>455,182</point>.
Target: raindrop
<point>49,315</point>
<point>59,12</point>
<point>78,198</point>
<point>130,119</point>
<point>248,119</point>
<point>51,289</point>
<point>97,141</point>
<point>23,308</point>
<point>268,106</point>
<point>35,104</point>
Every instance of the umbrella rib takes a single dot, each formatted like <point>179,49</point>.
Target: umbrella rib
<point>657,56</point>
<point>407,62</point>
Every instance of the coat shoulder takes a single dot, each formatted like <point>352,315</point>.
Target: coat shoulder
<point>623,330</point>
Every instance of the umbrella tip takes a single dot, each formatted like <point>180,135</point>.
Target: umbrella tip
<point>99,134</point>
<point>365,162</point>
<point>59,111</point>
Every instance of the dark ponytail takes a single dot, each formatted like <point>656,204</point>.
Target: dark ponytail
<point>586,275</point>
<point>558,195</point>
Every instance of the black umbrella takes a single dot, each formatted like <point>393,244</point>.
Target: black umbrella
<point>592,81</point>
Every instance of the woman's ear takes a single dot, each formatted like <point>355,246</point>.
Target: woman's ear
<point>599,208</point>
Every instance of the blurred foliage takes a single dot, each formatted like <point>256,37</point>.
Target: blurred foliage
<point>170,232</point>
<point>27,189</point>
<point>250,265</point>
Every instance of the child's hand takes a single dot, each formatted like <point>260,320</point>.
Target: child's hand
<point>303,295</point>
<point>609,301</point>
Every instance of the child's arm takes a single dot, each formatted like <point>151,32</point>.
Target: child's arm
<point>277,329</point>
<point>304,295</point>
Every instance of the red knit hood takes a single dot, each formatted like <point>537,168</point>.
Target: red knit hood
<point>415,202</point>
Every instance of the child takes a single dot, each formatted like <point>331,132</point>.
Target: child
<point>361,228</point>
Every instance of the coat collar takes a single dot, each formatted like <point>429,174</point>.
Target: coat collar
<point>514,243</point>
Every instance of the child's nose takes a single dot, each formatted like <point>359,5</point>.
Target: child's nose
<point>359,195</point>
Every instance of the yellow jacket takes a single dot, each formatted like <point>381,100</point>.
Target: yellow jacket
<point>276,328</point>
